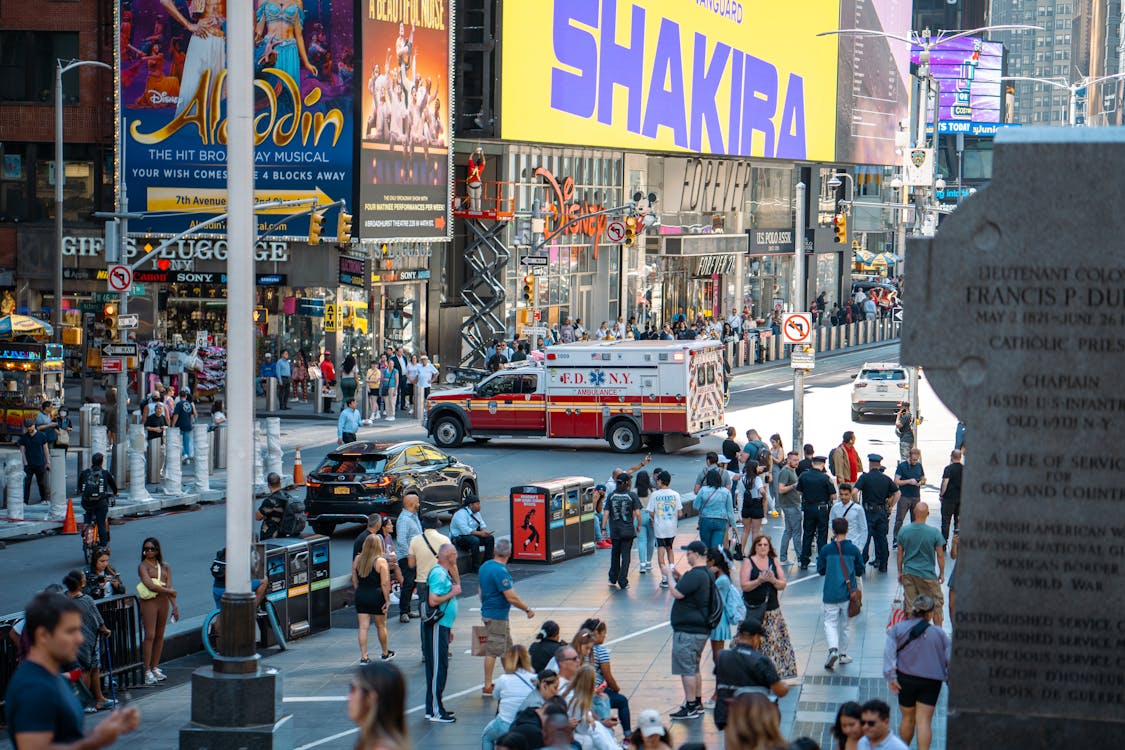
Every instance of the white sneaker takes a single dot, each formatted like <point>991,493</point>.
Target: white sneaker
<point>845,659</point>
<point>159,675</point>
<point>150,678</point>
<point>390,419</point>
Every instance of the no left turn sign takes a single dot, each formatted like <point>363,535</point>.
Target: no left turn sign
<point>796,327</point>
<point>120,278</point>
<point>615,231</point>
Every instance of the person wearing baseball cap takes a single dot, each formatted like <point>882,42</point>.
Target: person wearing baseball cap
<point>878,495</point>
<point>916,673</point>
<point>743,668</point>
<point>650,733</point>
<point>690,629</point>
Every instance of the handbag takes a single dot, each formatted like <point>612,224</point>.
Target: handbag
<point>479,640</point>
<point>898,610</point>
<point>855,596</point>
<point>756,610</point>
<point>144,592</point>
<point>706,502</point>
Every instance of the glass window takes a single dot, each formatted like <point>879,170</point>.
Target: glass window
<point>771,197</point>
<point>342,464</point>
<point>27,65</point>
<point>530,383</point>
<point>498,385</point>
<point>415,455</point>
<point>433,456</point>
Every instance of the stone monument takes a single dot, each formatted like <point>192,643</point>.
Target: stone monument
<point>1016,310</point>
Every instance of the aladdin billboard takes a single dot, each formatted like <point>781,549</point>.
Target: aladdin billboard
<point>694,76</point>
<point>172,95</point>
<point>405,160</point>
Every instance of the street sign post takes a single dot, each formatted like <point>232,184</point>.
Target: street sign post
<point>120,278</point>
<point>119,350</point>
<point>125,322</point>
<point>797,328</point>
<point>615,231</point>
<point>802,358</point>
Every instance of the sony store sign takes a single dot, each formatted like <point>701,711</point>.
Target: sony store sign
<point>275,251</point>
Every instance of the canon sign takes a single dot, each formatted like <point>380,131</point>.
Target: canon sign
<point>186,249</point>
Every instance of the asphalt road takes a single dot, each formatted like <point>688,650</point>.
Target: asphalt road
<point>189,539</point>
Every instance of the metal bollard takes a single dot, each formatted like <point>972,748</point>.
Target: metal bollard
<point>315,391</point>
<point>220,451</point>
<point>273,446</point>
<point>419,399</point>
<point>57,480</point>
<point>271,394</point>
<point>13,475</point>
<point>155,451</point>
<point>259,457</point>
<point>361,396</point>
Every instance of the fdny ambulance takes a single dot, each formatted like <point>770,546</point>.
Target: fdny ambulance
<point>664,394</point>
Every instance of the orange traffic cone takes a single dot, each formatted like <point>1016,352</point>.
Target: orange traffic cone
<point>298,470</point>
<point>69,525</point>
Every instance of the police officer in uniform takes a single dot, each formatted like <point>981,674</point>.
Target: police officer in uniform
<point>817,495</point>
<point>879,496</point>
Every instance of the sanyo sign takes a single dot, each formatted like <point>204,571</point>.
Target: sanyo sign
<point>274,251</point>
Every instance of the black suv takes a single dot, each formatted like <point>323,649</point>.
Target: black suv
<point>362,478</point>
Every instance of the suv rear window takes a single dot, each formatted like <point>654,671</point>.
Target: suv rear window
<point>883,375</point>
<point>338,464</point>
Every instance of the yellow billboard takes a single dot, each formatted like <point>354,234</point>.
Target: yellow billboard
<point>737,77</point>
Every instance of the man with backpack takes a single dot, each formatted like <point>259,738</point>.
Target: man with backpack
<point>96,485</point>
<point>281,515</point>
<point>743,668</point>
<point>183,417</point>
<point>697,600</point>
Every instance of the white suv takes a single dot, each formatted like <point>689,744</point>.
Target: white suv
<point>879,388</point>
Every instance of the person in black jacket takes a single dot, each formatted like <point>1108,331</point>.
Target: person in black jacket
<point>97,486</point>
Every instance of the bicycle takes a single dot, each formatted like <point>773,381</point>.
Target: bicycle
<point>270,613</point>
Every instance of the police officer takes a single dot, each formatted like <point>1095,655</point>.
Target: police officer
<point>879,496</point>
<point>817,495</point>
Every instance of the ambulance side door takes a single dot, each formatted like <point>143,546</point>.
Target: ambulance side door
<point>493,401</point>
<point>532,409</point>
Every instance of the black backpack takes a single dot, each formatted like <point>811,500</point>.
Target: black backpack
<point>93,487</point>
<point>219,568</point>
<point>715,606</point>
<point>293,518</point>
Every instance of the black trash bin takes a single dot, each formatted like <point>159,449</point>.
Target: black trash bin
<point>546,519</point>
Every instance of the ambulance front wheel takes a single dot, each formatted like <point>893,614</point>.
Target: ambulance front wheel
<point>624,437</point>
<point>448,432</point>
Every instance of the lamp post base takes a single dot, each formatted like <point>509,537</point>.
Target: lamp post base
<point>236,712</point>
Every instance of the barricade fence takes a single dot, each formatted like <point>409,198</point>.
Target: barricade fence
<point>123,618</point>
<point>753,349</point>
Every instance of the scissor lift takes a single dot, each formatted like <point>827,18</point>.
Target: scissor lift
<point>487,256</point>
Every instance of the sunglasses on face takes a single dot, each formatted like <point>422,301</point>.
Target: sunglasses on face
<point>148,549</point>
<point>866,723</point>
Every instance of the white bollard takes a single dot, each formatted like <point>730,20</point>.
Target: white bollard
<point>56,480</point>
<point>138,451</point>
<point>201,441</point>
<point>259,457</point>
<point>172,484</point>
<point>273,446</point>
<point>13,479</point>
<point>99,441</point>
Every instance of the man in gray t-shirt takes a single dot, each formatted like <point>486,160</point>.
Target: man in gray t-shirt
<point>789,499</point>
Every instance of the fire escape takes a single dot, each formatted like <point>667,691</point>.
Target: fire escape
<point>486,255</point>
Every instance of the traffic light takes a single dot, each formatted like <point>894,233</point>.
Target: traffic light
<point>529,290</point>
<point>343,228</point>
<point>316,226</point>
<point>840,222</point>
<point>630,230</point>
<point>109,312</point>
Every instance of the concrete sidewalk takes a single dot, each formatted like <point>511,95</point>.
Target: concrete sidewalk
<point>316,670</point>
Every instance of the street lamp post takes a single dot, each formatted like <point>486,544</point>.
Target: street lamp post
<point>1072,89</point>
<point>60,68</point>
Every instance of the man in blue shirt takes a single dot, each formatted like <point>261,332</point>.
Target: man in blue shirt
<point>841,564</point>
<point>909,478</point>
<point>497,597</point>
<point>284,372</point>
<point>348,423</point>
<point>436,636</point>
<point>267,370</point>
<point>41,709</point>
<point>183,417</point>
<point>468,531</point>
<point>36,462</point>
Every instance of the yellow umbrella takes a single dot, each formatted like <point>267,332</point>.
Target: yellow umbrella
<point>14,327</point>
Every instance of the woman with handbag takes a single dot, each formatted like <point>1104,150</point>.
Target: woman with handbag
<point>155,597</point>
<point>716,509</point>
<point>301,377</point>
<point>761,579</point>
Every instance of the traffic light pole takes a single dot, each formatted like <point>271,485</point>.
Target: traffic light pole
<point>799,306</point>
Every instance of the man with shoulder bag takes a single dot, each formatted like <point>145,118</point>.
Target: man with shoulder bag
<point>841,564</point>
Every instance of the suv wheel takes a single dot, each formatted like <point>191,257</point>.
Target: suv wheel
<point>857,415</point>
<point>467,489</point>
<point>323,527</point>
<point>447,431</point>
<point>623,437</point>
